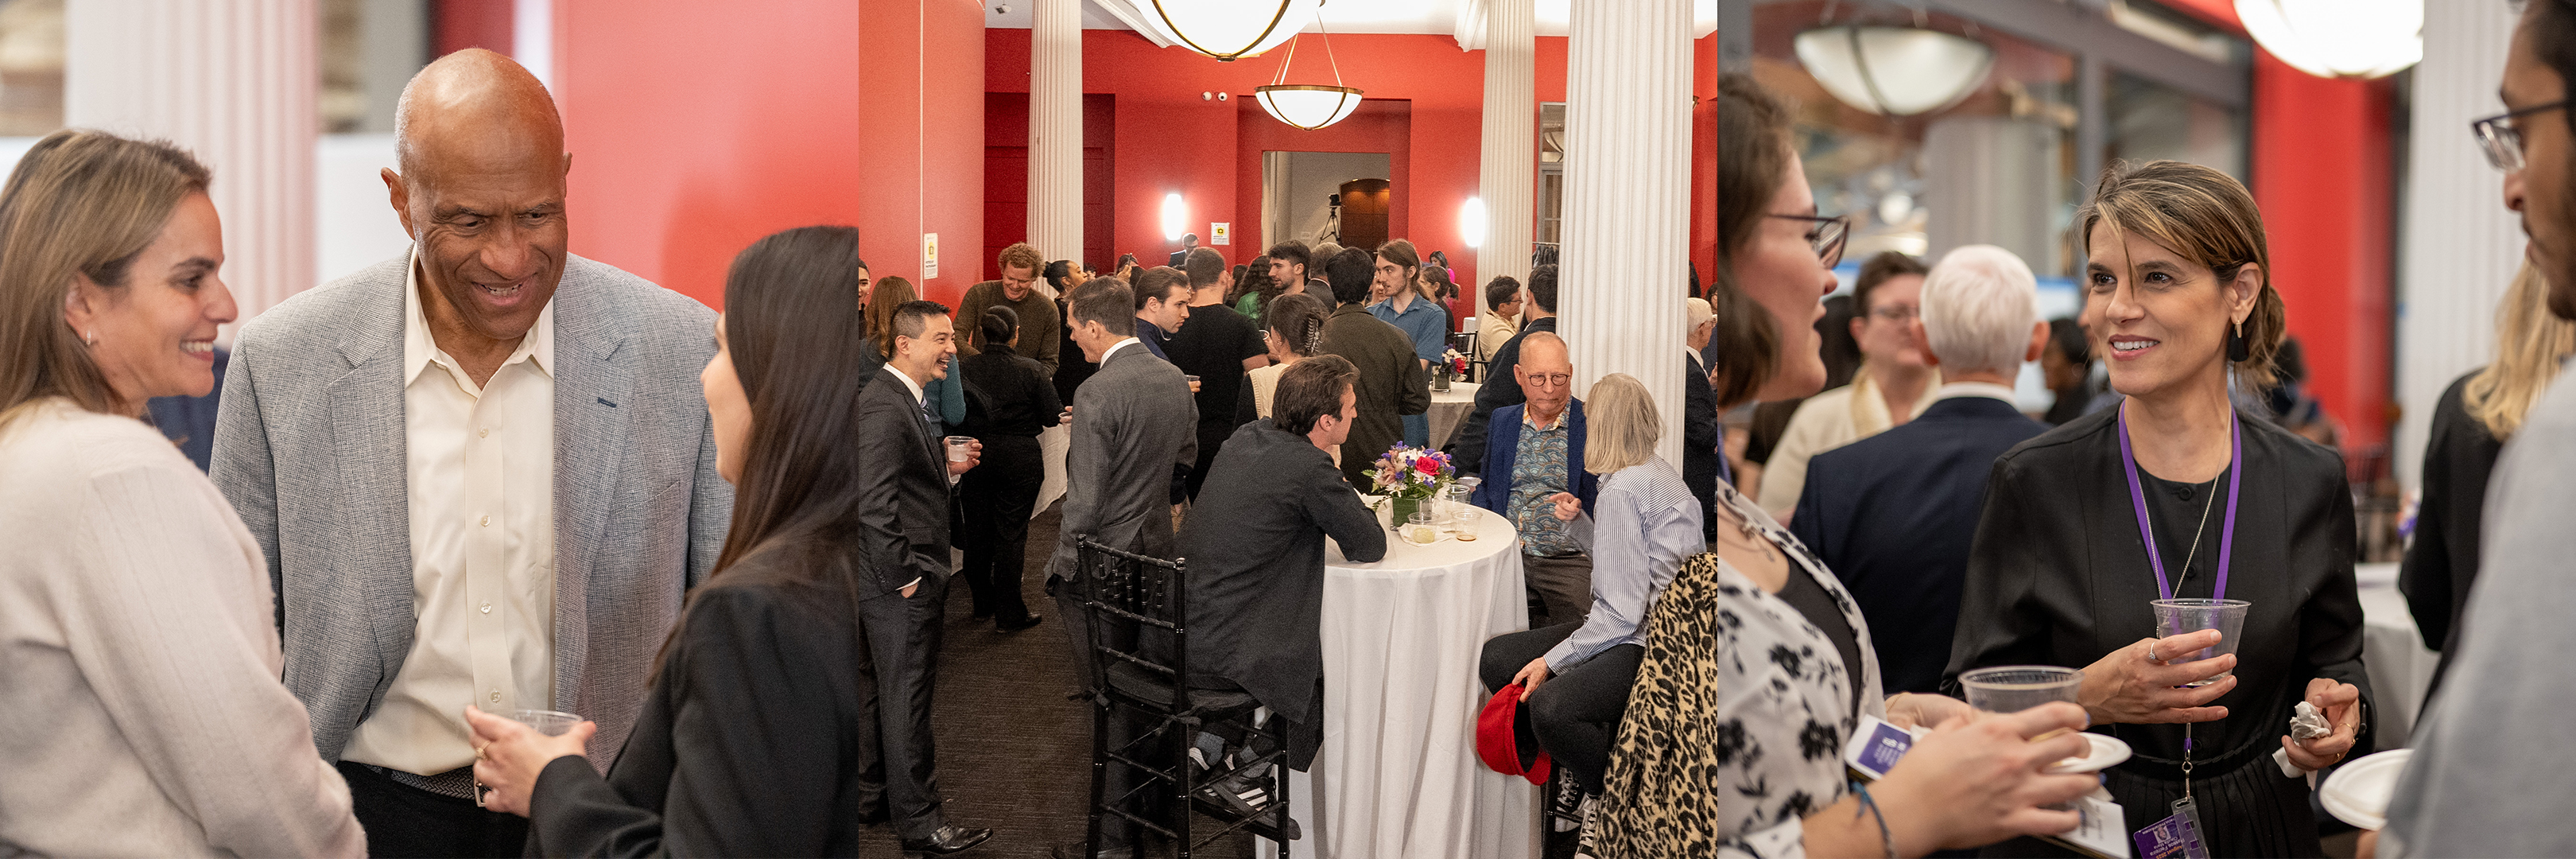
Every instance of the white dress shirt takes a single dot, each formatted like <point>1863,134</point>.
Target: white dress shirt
<point>481,472</point>
<point>1105,353</point>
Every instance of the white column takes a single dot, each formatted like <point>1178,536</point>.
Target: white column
<point>2462,247</point>
<point>1508,159</point>
<point>1624,272</point>
<point>231,80</point>
<point>1055,129</point>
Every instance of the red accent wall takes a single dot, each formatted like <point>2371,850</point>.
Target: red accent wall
<point>2322,175</point>
<point>783,114</point>
<point>461,24</point>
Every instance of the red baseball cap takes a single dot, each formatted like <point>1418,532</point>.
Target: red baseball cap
<point>1505,740</point>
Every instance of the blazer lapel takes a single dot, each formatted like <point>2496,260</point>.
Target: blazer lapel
<point>367,427</point>
<point>594,403</point>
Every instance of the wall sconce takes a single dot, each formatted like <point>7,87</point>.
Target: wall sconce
<point>1471,222</point>
<point>1176,217</point>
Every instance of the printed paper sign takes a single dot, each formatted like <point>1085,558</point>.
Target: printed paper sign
<point>929,255</point>
<point>1220,232</point>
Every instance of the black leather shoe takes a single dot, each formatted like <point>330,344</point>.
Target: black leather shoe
<point>1073,850</point>
<point>1024,623</point>
<point>947,840</point>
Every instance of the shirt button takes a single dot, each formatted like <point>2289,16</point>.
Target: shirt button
<point>496,696</point>
<point>487,520</point>
<point>485,432</point>
<point>487,608</point>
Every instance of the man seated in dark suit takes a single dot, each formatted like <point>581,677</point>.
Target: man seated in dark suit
<point>1538,452</point>
<point>1538,313</point>
<point>908,471</point>
<point>1256,550</point>
<point>1893,515</point>
<point>1133,421</point>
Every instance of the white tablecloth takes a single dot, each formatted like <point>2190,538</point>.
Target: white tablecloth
<point>2391,648</point>
<point>1449,409</point>
<point>1398,775</point>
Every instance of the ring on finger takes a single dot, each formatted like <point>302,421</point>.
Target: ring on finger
<point>2151,654</point>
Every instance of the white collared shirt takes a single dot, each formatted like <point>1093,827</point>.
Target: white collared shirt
<point>479,464</point>
<point>1989,390</point>
<point>909,384</point>
<point>1114,347</point>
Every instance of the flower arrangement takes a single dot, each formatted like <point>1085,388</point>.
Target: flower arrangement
<point>1406,476</point>
<point>1457,363</point>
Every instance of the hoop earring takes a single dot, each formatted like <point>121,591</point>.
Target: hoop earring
<point>2238,348</point>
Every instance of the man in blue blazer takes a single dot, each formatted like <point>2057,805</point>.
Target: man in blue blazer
<point>1536,451</point>
<point>1894,515</point>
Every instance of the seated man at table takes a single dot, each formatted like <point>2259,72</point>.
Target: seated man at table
<point>1534,450</point>
<point>1255,545</point>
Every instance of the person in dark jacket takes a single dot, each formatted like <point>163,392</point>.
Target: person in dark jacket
<point>1392,383</point>
<point>758,734</point>
<point>1538,313</point>
<point>1256,548</point>
<point>1703,435</point>
<point>1009,399</point>
<point>1893,515</point>
<point>1538,451</point>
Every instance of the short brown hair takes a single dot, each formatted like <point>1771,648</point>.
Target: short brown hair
<point>890,294</point>
<point>1401,252</point>
<point>1311,389</point>
<point>1881,268</point>
<point>2204,216</point>
<point>1752,156</point>
<point>1157,282</point>
<point>80,203</point>
<point>1204,266</point>
<point>1022,255</point>
<point>1105,300</point>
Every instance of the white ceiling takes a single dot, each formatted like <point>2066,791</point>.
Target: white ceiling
<point>1433,17</point>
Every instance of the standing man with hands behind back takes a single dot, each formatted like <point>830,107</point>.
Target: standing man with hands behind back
<point>478,471</point>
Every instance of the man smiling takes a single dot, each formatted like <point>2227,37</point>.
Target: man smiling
<point>480,472</point>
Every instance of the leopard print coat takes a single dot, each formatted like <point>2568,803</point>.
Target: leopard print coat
<point>1735,727</point>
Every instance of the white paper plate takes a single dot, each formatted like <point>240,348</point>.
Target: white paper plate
<point>2358,793</point>
<point>2108,751</point>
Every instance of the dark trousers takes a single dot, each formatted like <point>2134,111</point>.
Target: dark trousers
<point>1575,714</point>
<point>1124,724</point>
<point>1563,586</point>
<point>903,663</point>
<point>998,497</point>
<point>405,821</point>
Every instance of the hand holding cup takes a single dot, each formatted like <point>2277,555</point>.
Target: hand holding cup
<point>2135,685</point>
<point>508,755</point>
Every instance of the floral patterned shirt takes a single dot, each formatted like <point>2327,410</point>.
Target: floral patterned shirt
<point>1539,470</point>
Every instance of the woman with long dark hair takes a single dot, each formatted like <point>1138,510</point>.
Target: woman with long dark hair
<point>1009,400</point>
<point>751,738</point>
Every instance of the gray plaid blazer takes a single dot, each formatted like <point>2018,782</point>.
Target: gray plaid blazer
<point>310,448</point>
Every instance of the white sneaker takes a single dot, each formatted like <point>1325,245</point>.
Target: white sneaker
<point>1583,842</point>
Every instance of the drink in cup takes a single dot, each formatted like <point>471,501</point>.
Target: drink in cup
<point>1420,530</point>
<point>551,723</point>
<point>1194,382</point>
<point>2177,616</point>
<point>957,447</point>
<point>1467,522</point>
<point>2014,688</point>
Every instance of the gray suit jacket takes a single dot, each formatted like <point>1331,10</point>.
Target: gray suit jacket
<point>1132,421</point>
<point>310,449</point>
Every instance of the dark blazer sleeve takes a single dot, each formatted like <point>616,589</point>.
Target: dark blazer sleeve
<point>1999,620</point>
<point>1331,503</point>
<point>1413,387</point>
<point>2330,622</point>
<point>756,752</point>
<point>2444,552</point>
<point>884,445</point>
<point>1498,390</point>
<point>1042,391</point>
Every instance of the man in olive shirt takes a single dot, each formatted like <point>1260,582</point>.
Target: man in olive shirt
<point>1392,382</point>
<point>1040,333</point>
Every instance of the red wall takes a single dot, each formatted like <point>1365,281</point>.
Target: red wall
<point>2322,175</point>
<point>697,128</point>
<point>462,24</point>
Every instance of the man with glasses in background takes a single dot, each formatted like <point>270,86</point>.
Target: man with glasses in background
<point>1894,383</point>
<point>1536,451</point>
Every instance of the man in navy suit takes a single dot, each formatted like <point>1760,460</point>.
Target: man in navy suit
<point>1893,515</point>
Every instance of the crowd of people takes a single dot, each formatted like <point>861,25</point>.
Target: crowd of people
<point>501,551</point>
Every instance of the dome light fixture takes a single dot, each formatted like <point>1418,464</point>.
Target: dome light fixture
<point>1229,29</point>
<point>1308,106</point>
<point>1894,71</point>
<point>2338,38</point>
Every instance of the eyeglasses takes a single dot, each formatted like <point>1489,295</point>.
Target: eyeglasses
<point>1825,235</point>
<point>2500,137</point>
<point>1896,313</point>
<point>1551,380</point>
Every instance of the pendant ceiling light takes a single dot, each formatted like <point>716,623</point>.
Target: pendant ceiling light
<point>2338,38</point>
<point>1895,71</point>
<point>1308,106</point>
<point>1229,29</point>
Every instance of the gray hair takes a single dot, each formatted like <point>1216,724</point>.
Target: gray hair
<point>1979,304</point>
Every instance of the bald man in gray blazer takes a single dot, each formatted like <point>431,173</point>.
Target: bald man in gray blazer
<point>482,472</point>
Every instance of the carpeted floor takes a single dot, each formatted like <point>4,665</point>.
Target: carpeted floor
<point>1014,753</point>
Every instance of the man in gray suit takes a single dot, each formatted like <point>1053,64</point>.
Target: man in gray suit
<point>481,472</point>
<point>1132,422</point>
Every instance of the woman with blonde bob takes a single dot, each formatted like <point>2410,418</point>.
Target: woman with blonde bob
<point>2177,495</point>
<point>144,712</point>
<point>2475,416</point>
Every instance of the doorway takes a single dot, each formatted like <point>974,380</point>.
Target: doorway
<point>1301,196</point>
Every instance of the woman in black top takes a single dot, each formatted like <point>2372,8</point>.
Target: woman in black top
<point>2178,296</point>
<point>1009,399</point>
<point>757,734</point>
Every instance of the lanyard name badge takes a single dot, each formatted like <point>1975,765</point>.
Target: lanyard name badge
<point>2179,835</point>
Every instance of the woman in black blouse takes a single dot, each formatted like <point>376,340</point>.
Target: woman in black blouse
<point>758,730</point>
<point>2178,296</point>
<point>1009,399</point>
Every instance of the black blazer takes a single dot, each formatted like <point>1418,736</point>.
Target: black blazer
<point>2443,560</point>
<point>1702,436</point>
<point>1893,516</point>
<point>907,539</point>
<point>751,738</point>
<point>1500,389</point>
<point>1006,395</point>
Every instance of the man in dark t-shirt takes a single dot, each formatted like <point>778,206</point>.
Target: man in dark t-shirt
<point>1216,347</point>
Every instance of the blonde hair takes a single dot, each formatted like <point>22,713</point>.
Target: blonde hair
<point>2204,216</point>
<point>2529,343</point>
<point>80,204</point>
<point>1621,424</point>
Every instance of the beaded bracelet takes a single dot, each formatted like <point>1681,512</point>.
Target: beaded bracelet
<point>1886,840</point>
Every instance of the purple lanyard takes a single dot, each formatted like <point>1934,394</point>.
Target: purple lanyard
<point>2138,500</point>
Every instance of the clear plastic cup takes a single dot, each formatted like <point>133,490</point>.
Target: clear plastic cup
<point>2014,688</point>
<point>2177,616</point>
<point>1194,382</point>
<point>551,723</point>
<point>1468,520</point>
<point>1420,529</point>
<point>958,447</point>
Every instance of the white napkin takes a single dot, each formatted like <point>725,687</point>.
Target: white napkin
<point>2305,724</point>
